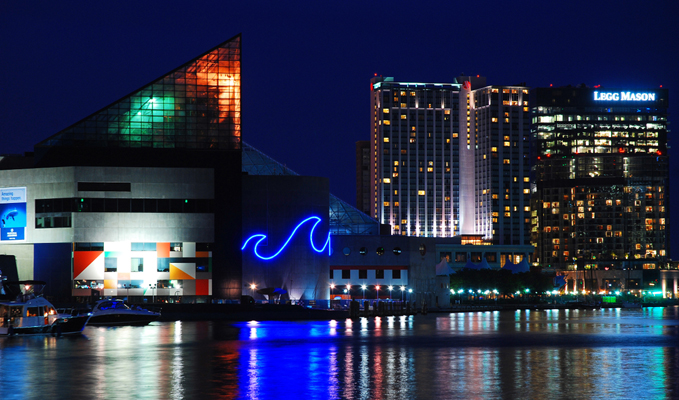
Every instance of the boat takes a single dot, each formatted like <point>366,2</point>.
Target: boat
<point>29,313</point>
<point>111,312</point>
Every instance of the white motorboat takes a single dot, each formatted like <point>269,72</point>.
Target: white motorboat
<point>31,314</point>
<point>110,312</point>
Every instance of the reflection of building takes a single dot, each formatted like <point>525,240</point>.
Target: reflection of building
<point>451,158</point>
<point>602,177</point>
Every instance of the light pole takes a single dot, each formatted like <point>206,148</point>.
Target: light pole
<point>363,287</point>
<point>390,289</point>
<point>152,287</point>
<point>377,292</point>
<point>252,290</point>
<point>332,293</point>
<point>403,289</point>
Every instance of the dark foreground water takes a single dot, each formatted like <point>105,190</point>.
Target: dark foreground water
<point>574,354</point>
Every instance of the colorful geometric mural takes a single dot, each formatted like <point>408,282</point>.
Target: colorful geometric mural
<point>142,269</point>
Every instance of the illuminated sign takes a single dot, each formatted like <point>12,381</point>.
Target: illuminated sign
<point>624,96</point>
<point>311,240</point>
<point>13,214</point>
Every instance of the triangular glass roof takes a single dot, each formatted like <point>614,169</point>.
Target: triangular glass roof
<point>344,218</point>
<point>196,106</point>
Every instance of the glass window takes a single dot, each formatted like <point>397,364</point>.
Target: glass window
<point>111,264</point>
<point>395,274</point>
<point>137,264</point>
<point>362,274</point>
<point>346,274</point>
<point>379,274</point>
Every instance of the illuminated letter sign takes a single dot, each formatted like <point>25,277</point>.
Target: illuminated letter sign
<point>13,214</point>
<point>311,240</point>
<point>623,96</point>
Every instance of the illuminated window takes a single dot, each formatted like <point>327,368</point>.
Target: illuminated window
<point>494,119</point>
<point>386,111</point>
<point>386,139</point>
<point>526,191</point>
<point>387,122</point>
<point>505,161</point>
<point>387,180</point>
<point>493,149</point>
<point>403,116</point>
<point>421,192</point>
<point>386,204</point>
<point>526,179</point>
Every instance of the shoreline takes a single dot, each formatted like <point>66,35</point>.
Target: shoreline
<point>281,312</point>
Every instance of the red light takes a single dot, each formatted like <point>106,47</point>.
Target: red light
<point>375,74</point>
<point>660,85</point>
<point>550,85</point>
<point>621,150</point>
<point>659,152</point>
<point>549,155</point>
<point>478,76</point>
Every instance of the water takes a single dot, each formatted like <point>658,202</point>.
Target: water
<point>555,354</point>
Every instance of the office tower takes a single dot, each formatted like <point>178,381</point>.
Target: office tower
<point>451,158</point>
<point>602,177</point>
<point>363,176</point>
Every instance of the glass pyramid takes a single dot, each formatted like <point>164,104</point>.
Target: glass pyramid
<point>196,106</point>
<point>344,218</point>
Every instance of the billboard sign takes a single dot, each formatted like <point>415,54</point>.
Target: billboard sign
<point>13,214</point>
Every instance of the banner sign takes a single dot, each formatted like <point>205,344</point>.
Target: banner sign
<point>13,214</point>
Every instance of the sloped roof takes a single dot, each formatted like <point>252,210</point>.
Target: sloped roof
<point>345,219</point>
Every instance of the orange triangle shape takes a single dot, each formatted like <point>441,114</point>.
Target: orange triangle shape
<point>176,273</point>
<point>82,260</point>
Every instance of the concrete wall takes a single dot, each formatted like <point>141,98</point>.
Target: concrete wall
<point>274,206</point>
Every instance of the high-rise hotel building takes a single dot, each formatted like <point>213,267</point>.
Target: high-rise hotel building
<point>602,177</point>
<point>451,158</point>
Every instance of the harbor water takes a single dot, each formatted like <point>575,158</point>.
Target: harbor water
<point>525,354</point>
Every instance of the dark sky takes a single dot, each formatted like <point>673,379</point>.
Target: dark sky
<point>307,65</point>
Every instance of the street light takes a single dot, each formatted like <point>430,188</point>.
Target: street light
<point>390,289</point>
<point>153,292</point>
<point>363,287</point>
<point>252,290</point>
<point>403,289</point>
<point>377,292</point>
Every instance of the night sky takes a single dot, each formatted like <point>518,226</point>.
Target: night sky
<point>307,65</point>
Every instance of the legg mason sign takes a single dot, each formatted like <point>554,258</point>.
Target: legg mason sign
<point>624,96</point>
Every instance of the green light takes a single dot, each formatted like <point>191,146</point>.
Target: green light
<point>82,200</point>
<point>186,200</point>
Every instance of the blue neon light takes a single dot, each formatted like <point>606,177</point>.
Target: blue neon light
<point>311,240</point>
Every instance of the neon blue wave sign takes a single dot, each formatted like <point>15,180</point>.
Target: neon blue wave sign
<point>294,231</point>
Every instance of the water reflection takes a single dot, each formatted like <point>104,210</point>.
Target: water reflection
<point>610,353</point>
